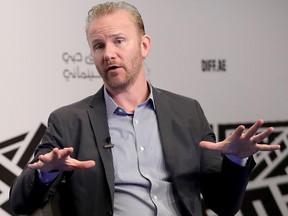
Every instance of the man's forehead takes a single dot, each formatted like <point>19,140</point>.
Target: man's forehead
<point>115,22</point>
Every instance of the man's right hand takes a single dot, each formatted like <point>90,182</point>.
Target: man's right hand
<point>60,160</point>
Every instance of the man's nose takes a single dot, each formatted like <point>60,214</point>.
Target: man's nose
<point>109,52</point>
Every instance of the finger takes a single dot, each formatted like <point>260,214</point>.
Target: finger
<point>65,152</point>
<point>265,147</point>
<point>48,157</point>
<point>56,154</point>
<point>260,137</point>
<point>254,128</point>
<point>36,165</point>
<point>238,131</point>
<point>51,156</point>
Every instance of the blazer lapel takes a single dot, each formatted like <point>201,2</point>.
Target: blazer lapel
<point>165,129</point>
<point>98,119</point>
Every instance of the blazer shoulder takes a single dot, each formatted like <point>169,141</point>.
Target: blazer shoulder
<point>83,104</point>
<point>172,97</point>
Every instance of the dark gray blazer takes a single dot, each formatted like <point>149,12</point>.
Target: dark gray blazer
<point>84,126</point>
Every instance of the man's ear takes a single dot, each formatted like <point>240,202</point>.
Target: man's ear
<point>145,45</point>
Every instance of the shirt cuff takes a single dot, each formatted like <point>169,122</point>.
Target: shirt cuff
<point>238,160</point>
<point>48,177</point>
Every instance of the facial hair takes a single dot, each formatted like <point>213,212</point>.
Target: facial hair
<point>130,75</point>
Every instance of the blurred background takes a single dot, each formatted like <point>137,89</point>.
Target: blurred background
<point>232,56</point>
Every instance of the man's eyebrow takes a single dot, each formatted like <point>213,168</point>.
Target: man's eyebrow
<point>96,40</point>
<point>111,36</point>
<point>117,35</point>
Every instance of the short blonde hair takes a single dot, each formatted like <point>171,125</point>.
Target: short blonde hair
<point>111,7</point>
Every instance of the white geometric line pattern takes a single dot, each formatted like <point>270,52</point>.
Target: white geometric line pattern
<point>267,191</point>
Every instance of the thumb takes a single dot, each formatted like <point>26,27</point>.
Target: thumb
<point>208,145</point>
<point>76,164</point>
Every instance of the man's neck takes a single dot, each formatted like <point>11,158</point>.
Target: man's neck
<point>130,97</point>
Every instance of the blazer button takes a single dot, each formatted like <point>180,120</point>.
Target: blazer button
<point>109,213</point>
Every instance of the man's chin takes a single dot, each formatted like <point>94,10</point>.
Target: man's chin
<point>117,85</point>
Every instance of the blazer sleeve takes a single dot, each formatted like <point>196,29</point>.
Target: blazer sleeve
<point>27,193</point>
<point>223,191</point>
<point>223,182</point>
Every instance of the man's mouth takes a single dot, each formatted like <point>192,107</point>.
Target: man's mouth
<point>112,68</point>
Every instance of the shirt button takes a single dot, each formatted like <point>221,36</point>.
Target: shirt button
<point>155,197</point>
<point>142,148</point>
<point>136,121</point>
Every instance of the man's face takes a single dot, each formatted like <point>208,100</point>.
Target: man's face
<point>117,49</point>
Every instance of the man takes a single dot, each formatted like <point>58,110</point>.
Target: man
<point>133,149</point>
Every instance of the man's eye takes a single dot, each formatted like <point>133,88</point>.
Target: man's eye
<point>98,46</point>
<point>119,41</point>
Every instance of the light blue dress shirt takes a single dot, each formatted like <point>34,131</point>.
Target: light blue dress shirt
<point>142,182</point>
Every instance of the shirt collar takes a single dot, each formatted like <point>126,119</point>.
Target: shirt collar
<point>111,105</point>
